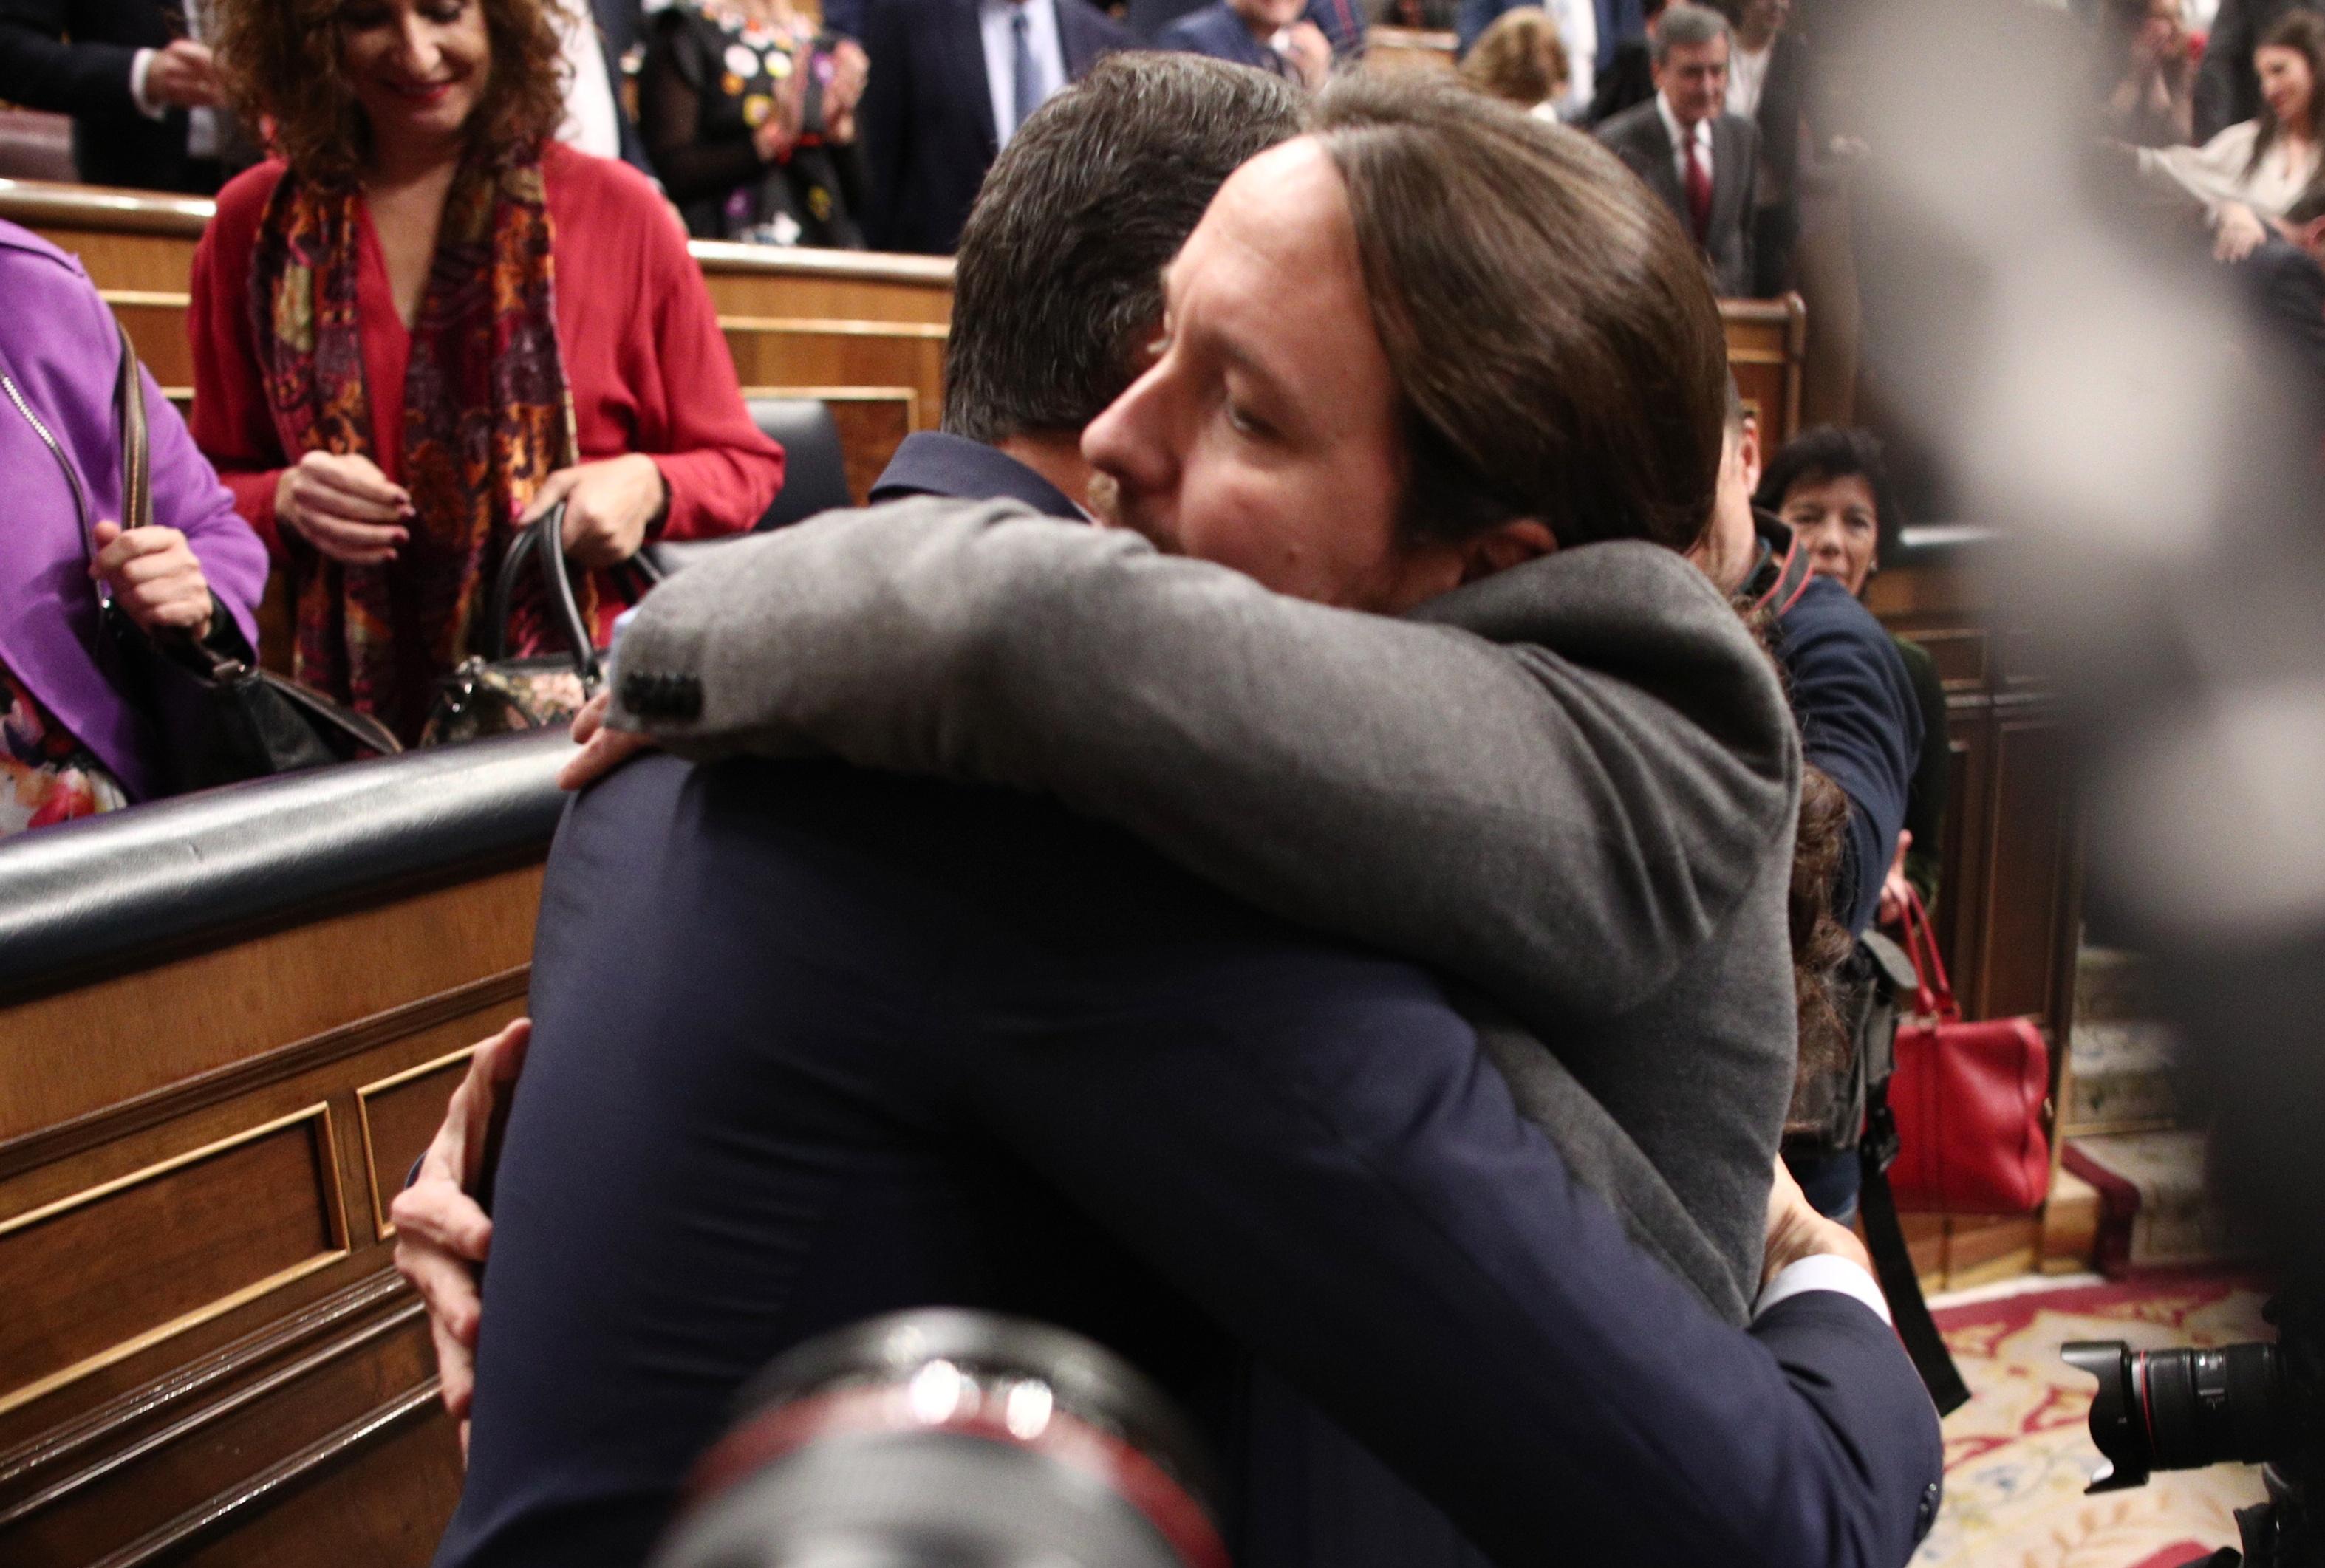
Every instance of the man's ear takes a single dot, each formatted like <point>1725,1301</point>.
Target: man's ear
<point>1513,544</point>
<point>1748,453</point>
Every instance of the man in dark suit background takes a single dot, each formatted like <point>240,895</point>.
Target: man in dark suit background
<point>1701,160</point>
<point>1629,77</point>
<point>144,99</point>
<point>1767,84</point>
<point>951,80</point>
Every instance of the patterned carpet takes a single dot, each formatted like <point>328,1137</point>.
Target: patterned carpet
<point>2019,1454</point>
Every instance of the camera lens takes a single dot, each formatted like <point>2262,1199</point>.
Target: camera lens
<point>943,1439</point>
<point>2181,1408</point>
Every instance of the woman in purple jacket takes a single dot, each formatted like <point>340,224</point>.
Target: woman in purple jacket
<point>69,744</point>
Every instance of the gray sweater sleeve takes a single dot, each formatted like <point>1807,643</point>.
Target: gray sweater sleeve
<point>1560,836</point>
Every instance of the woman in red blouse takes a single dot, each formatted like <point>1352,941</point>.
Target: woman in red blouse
<point>426,322</point>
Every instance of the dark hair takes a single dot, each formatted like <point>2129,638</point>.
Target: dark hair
<point>1520,59</point>
<point>1549,325</point>
<point>2304,32</point>
<point>280,61</point>
<point>1058,286</point>
<point>1820,943</point>
<point>2308,206</point>
<point>1823,455</point>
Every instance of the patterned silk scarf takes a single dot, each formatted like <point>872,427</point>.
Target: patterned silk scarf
<point>487,416</point>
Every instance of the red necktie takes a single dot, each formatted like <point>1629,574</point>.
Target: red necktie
<point>1698,188</point>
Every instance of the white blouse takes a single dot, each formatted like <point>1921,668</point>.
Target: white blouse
<point>2214,173</point>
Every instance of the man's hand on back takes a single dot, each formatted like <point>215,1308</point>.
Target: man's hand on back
<point>603,750</point>
<point>1796,1231</point>
<point>441,1234</point>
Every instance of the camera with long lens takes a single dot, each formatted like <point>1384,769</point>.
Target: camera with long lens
<point>2247,1404</point>
<point>950,1439</point>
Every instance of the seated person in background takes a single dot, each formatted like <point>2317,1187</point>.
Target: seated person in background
<point>143,97</point>
<point>69,744</point>
<point>1520,61</point>
<point>1134,1045</point>
<point>750,117</point>
<point>428,322</point>
<point>1578,31</point>
<point>1831,488</point>
<point>1701,160</point>
<point>2151,103</point>
<point>2250,174</point>
<point>1861,725</point>
<point>1269,35</point>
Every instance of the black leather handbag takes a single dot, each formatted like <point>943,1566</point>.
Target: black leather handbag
<point>491,693</point>
<point>219,718</point>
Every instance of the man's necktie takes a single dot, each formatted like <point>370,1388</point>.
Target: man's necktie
<point>1026,77</point>
<point>1698,189</point>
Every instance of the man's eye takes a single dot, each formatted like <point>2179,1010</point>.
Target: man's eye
<point>1245,422</point>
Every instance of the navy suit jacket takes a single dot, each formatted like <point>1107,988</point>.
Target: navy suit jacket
<point>1860,724</point>
<point>926,121</point>
<point>1342,21</point>
<point>812,1043</point>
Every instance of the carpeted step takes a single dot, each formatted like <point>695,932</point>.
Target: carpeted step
<point>2121,1078</point>
<point>2155,1211</point>
<point>2113,984</point>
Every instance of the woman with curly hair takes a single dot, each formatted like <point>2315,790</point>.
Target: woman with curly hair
<point>424,322</point>
<point>1521,59</point>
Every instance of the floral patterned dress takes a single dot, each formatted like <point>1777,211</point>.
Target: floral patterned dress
<point>45,774</point>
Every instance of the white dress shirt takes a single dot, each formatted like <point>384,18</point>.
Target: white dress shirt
<point>1679,142</point>
<point>1578,29</point>
<point>590,122</point>
<point>1747,77</point>
<point>201,125</point>
<point>1823,1272</point>
<point>993,19</point>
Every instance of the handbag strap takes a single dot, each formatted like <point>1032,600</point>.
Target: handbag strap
<point>1936,990</point>
<point>545,539</point>
<point>136,469</point>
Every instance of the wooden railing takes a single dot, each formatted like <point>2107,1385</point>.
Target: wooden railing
<point>864,332</point>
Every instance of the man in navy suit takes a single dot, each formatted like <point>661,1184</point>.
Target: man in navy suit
<point>1145,1185</point>
<point>1341,22</point>
<point>951,80</point>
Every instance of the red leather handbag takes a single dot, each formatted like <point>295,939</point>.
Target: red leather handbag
<point>1969,1099</point>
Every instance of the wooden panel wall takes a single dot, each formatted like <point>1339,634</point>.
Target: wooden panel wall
<point>205,1356</point>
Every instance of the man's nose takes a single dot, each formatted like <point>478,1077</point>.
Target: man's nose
<point>1131,439</point>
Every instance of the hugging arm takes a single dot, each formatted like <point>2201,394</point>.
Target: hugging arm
<point>1473,789</point>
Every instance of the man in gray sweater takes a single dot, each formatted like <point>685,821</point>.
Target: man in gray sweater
<point>1641,817</point>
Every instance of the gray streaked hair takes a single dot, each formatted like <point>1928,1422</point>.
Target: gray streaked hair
<point>1685,26</point>
<point>1058,287</point>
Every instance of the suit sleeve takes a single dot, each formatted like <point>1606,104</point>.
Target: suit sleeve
<point>1530,824</point>
<point>1472,20</point>
<point>1567,1401</point>
<point>39,69</point>
<point>1861,727</point>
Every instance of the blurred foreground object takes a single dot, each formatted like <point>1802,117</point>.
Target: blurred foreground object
<point>951,1438</point>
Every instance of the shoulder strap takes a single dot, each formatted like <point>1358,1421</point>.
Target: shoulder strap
<point>1791,580</point>
<point>129,400</point>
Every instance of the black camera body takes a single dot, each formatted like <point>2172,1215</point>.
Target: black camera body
<point>2250,1404</point>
